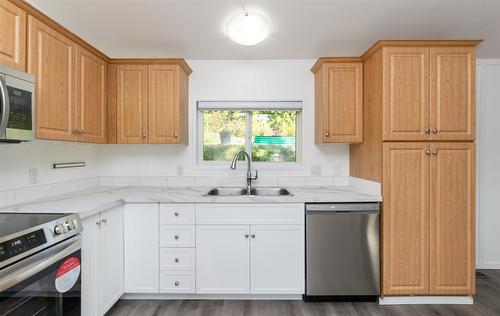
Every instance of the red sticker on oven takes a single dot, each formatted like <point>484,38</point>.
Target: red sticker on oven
<point>68,274</point>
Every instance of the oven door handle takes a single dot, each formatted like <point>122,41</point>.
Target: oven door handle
<point>30,266</point>
<point>4,94</point>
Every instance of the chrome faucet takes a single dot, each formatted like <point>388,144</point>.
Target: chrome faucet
<point>250,177</point>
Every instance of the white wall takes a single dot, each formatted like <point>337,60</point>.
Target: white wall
<point>17,159</point>
<point>224,81</point>
<point>488,164</point>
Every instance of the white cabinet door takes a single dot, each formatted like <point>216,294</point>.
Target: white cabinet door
<point>277,259</point>
<point>141,248</point>
<point>90,264</point>
<point>111,255</point>
<point>222,259</point>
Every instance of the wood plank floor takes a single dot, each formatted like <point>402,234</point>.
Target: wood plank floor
<point>486,302</point>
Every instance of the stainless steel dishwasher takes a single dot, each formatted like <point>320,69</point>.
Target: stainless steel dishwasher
<point>342,251</point>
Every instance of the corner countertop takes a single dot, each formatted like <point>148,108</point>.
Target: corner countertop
<point>95,200</point>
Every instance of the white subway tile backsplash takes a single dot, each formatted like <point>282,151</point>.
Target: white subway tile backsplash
<point>105,181</point>
<point>234,181</point>
<point>7,198</point>
<point>32,193</point>
<point>152,181</point>
<point>126,181</point>
<point>341,181</point>
<point>180,181</point>
<point>292,181</point>
<point>267,181</point>
<point>208,181</point>
<point>319,181</point>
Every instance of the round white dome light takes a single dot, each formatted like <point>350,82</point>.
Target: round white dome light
<point>247,29</point>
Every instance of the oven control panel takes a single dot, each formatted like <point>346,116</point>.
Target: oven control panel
<point>18,245</point>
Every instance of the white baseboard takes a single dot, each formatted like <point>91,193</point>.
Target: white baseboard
<point>406,300</point>
<point>164,296</point>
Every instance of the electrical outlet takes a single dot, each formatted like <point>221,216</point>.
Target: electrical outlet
<point>180,170</point>
<point>33,176</point>
<point>316,170</point>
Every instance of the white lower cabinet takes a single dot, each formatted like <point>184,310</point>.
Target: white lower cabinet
<point>222,259</point>
<point>177,282</point>
<point>141,225</point>
<point>277,259</point>
<point>102,261</point>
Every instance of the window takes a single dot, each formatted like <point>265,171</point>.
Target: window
<point>269,133</point>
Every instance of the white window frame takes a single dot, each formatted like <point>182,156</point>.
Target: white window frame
<point>278,165</point>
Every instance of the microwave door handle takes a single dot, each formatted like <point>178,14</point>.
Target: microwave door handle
<point>4,93</point>
<point>30,266</point>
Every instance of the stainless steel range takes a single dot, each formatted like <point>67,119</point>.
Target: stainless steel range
<point>40,264</point>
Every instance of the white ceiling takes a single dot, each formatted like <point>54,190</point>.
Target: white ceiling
<point>194,29</point>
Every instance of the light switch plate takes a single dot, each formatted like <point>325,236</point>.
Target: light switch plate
<point>316,170</point>
<point>33,176</point>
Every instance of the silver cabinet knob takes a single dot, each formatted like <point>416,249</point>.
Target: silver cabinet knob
<point>176,237</point>
<point>143,135</point>
<point>104,220</point>
<point>176,214</point>
<point>176,283</point>
<point>428,151</point>
<point>434,152</point>
<point>77,131</point>
<point>98,223</point>
<point>253,235</point>
<point>246,235</point>
<point>175,135</point>
<point>327,134</point>
<point>427,130</point>
<point>435,131</point>
<point>176,260</point>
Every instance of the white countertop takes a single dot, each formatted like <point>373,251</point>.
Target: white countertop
<point>91,201</point>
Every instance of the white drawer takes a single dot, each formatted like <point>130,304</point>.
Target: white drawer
<point>177,258</point>
<point>177,214</point>
<point>177,282</point>
<point>177,236</point>
<point>267,214</point>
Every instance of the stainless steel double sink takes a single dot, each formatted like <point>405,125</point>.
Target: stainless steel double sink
<point>244,191</point>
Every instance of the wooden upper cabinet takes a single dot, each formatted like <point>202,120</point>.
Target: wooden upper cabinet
<point>452,219</point>
<point>405,218</point>
<point>12,36</point>
<point>339,102</point>
<point>406,93</point>
<point>90,97</point>
<point>132,104</point>
<point>168,108</point>
<point>453,93</point>
<point>51,59</point>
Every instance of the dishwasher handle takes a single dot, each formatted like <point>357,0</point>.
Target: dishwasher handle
<point>371,208</point>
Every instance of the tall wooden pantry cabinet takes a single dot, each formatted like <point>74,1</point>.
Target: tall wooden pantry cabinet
<point>419,124</point>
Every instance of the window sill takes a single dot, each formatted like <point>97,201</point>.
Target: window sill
<point>255,165</point>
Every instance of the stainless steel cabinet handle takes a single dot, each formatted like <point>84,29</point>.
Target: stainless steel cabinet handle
<point>177,283</point>
<point>246,235</point>
<point>253,235</point>
<point>176,260</point>
<point>4,94</point>
<point>435,131</point>
<point>176,214</point>
<point>176,237</point>
<point>427,130</point>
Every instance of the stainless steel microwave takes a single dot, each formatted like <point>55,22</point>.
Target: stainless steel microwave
<point>17,105</point>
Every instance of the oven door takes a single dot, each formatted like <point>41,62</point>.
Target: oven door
<point>47,283</point>
<point>16,109</point>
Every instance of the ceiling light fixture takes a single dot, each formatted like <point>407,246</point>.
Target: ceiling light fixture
<point>247,29</point>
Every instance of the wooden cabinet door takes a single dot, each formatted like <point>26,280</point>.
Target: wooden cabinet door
<point>12,36</point>
<point>405,219</point>
<point>453,93</point>
<point>277,259</point>
<point>163,97</point>
<point>132,104</point>
<point>452,218</point>
<point>90,97</point>
<point>222,259</point>
<point>141,248</point>
<point>90,265</point>
<point>406,93</point>
<point>111,258</point>
<point>343,103</point>
<point>51,59</point>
